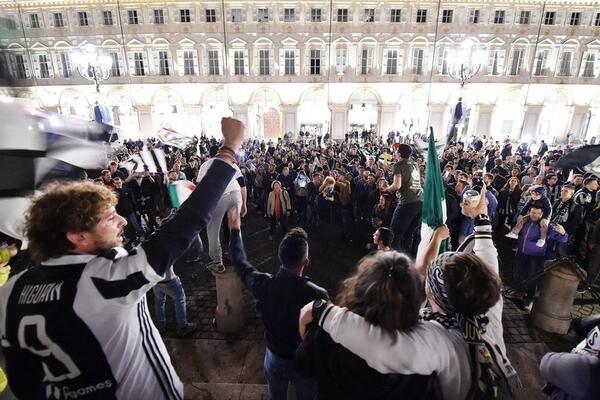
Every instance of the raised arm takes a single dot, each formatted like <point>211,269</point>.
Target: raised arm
<point>175,236</point>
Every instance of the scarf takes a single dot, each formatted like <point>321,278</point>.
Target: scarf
<point>485,381</point>
<point>277,210</point>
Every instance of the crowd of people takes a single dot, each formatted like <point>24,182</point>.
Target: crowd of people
<point>377,342</point>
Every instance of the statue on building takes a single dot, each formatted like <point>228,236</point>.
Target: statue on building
<point>457,115</point>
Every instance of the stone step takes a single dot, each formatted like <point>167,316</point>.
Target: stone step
<point>225,391</point>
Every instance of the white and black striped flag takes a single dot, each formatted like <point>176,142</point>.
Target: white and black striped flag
<point>586,158</point>
<point>148,160</point>
<point>35,149</point>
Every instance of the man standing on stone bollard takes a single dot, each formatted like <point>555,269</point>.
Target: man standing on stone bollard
<point>279,299</point>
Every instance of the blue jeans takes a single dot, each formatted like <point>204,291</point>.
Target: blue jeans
<point>526,267</point>
<point>279,372</point>
<point>174,290</point>
<point>405,221</point>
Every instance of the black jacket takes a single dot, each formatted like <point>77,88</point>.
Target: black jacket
<point>279,298</point>
<point>343,375</point>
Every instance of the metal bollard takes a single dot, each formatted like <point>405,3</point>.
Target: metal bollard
<point>552,309</point>
<point>230,312</point>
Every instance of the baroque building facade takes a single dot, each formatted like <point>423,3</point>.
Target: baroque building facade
<point>282,66</point>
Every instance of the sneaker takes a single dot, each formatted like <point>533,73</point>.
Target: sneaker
<point>216,267</point>
<point>189,328</point>
<point>512,235</point>
<point>527,306</point>
<point>540,243</point>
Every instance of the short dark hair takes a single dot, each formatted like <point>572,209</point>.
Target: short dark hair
<point>589,180</point>
<point>404,150</point>
<point>386,236</point>
<point>293,249</point>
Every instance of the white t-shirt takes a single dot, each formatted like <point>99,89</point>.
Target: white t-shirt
<point>233,184</point>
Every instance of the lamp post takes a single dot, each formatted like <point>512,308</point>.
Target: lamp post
<point>466,62</point>
<point>92,66</point>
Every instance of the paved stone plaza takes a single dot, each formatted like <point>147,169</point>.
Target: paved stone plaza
<point>221,366</point>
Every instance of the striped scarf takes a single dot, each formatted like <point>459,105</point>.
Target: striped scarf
<point>485,381</point>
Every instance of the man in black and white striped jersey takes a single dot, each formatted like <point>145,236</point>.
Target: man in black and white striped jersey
<point>77,324</point>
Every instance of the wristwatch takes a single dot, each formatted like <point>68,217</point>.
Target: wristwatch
<point>317,309</point>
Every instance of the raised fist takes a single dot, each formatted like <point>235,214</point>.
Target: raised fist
<point>233,133</point>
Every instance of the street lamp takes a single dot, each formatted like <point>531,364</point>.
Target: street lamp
<point>92,66</point>
<point>466,62</point>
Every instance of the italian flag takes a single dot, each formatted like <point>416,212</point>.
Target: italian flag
<point>434,198</point>
<point>179,191</point>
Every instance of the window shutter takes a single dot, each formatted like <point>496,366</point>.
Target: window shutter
<point>13,65</point>
<point>384,62</point>
<point>218,14</point>
<point>155,62</point>
<point>440,60</point>
<point>325,14</point>
<point>36,64</point>
<point>254,14</point>
<point>59,65</point>
<point>180,62</point>
<point>131,63</point>
<point>583,63</point>
<point>27,66</point>
<point>140,17</point>
<point>307,13</point>
<point>124,17</point>
<point>400,61</point>
<point>350,12</point>
<point>270,14</point>
<point>228,14</point>
<point>533,19</point>
<point>297,62</point>
<point>151,16</point>
<point>296,14</point>
<point>378,14</point>
<point>246,67</point>
<point>558,17</point>
<point>75,18</point>
<point>501,55</point>
<point>281,61</point>
<point>231,61</point>
<point>425,61</point>
<point>244,15</point>
<point>281,17</point>
<point>50,65</point>
<point>27,20</point>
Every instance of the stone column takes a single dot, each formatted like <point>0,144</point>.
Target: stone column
<point>289,115</point>
<point>562,136</point>
<point>594,126</point>
<point>484,119</point>
<point>531,121</point>
<point>388,119</point>
<point>575,127</point>
<point>339,121</point>
<point>193,116</point>
<point>240,111</point>
<point>144,112</point>
<point>436,120</point>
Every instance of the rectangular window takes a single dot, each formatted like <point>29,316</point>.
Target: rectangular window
<point>10,22</point>
<point>83,18</point>
<point>342,15</point>
<point>315,62</point>
<point>540,63</point>
<point>213,62</point>
<point>20,64</point>
<point>163,63</point>
<point>499,16</point>
<point>396,15</point>
<point>138,62</point>
<point>289,14</point>
<point>238,62</point>
<point>566,59</point>
<point>289,58</point>
<point>185,16</point>
<point>132,17</point>
<point>443,66</point>
<point>392,62</point>
<point>447,16</point>
<point>211,15</point>
<point>549,17</point>
<point>236,15</point>
<point>369,15</point>
<point>417,61</point>
<point>366,60</point>
<point>517,61</point>
<point>44,68</point>
<point>115,68</point>
<point>107,18</point>
<point>316,15</point>
<point>494,63</point>
<point>597,19</point>
<point>525,17</point>
<point>341,56</point>
<point>59,21</point>
<point>159,16</point>
<point>575,19</point>
<point>65,62</point>
<point>188,63</point>
<point>474,16</point>
<point>263,15</point>
<point>34,20</point>
<point>264,62</point>
<point>588,69</point>
<point>421,16</point>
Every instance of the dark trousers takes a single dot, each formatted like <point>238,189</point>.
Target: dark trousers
<point>405,221</point>
<point>526,267</point>
<point>282,220</point>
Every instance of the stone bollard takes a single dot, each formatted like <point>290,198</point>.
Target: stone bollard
<point>552,309</point>
<point>230,312</point>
